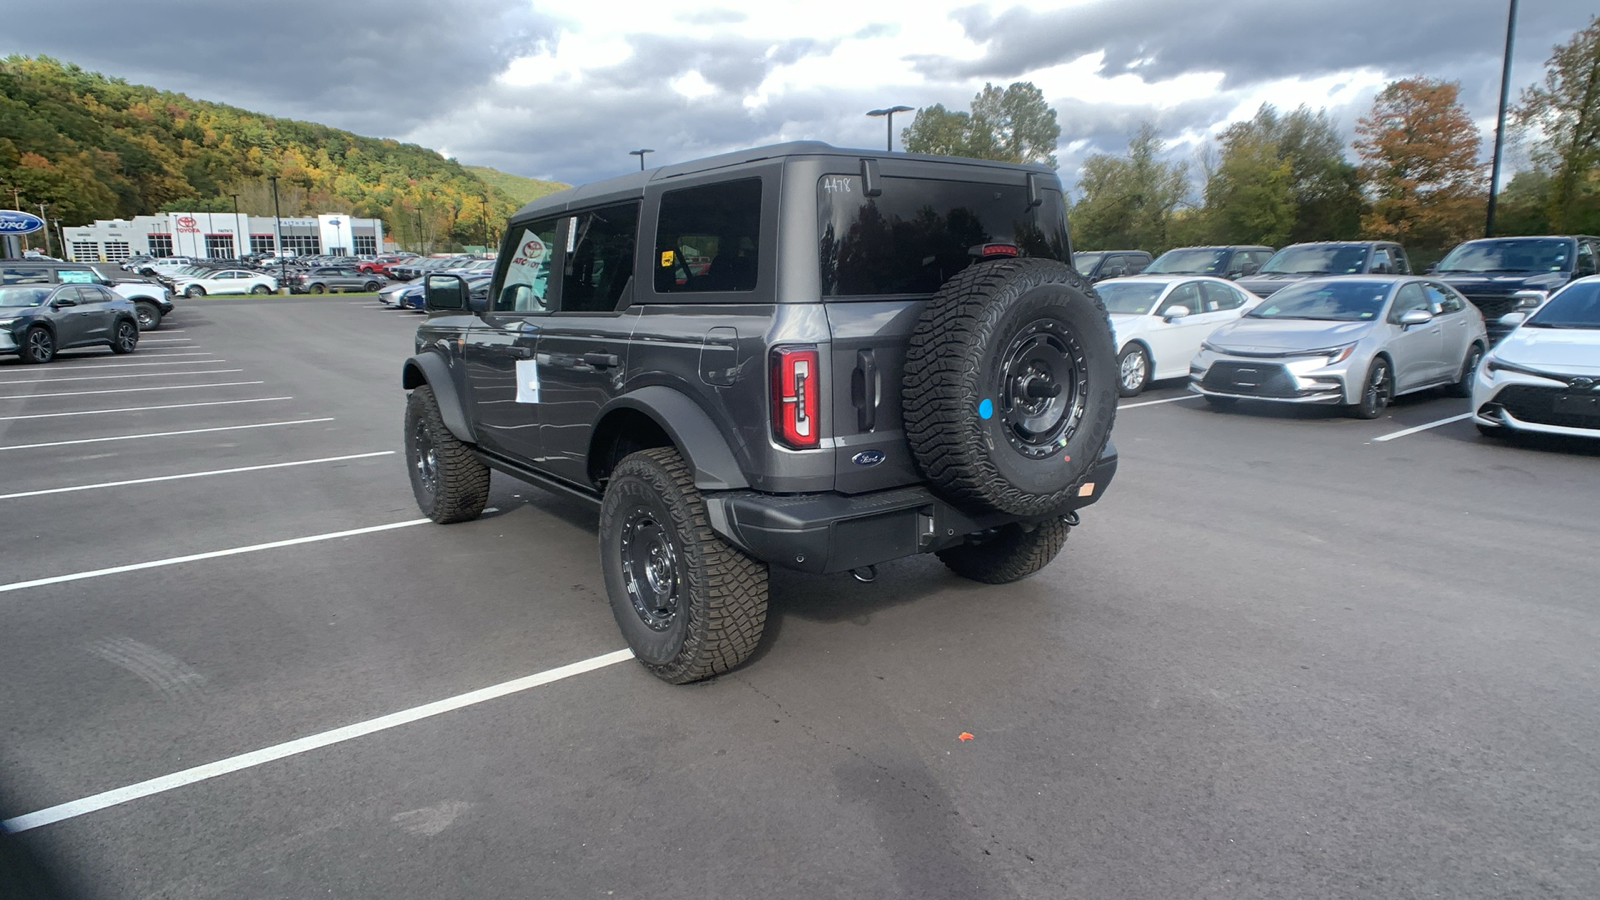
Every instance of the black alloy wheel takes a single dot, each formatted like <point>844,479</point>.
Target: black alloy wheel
<point>650,570</point>
<point>127,337</point>
<point>1376,391</point>
<point>1044,384</point>
<point>149,316</point>
<point>38,345</point>
<point>1469,371</point>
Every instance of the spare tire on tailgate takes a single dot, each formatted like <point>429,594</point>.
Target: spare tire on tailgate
<point>1010,387</point>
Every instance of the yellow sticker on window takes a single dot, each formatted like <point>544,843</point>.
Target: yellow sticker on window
<point>666,259</point>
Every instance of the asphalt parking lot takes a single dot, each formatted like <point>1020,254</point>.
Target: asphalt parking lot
<point>1289,655</point>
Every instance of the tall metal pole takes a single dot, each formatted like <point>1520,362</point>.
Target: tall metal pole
<point>483,217</point>
<point>47,234</point>
<point>240,236</point>
<point>61,238</point>
<point>1500,124</point>
<point>277,231</point>
<point>640,153</point>
<point>888,144</point>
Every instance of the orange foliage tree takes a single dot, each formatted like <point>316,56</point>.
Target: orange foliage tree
<point>1420,165</point>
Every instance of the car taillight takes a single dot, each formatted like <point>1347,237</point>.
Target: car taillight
<point>794,398</point>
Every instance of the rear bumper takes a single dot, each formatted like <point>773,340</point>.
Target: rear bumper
<point>832,532</point>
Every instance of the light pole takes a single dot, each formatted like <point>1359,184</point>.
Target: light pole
<point>238,233</point>
<point>47,234</point>
<point>1500,125</point>
<point>61,238</point>
<point>889,143</point>
<point>483,218</point>
<point>277,232</point>
<point>640,153</point>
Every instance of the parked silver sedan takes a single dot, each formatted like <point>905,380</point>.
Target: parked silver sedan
<point>1353,341</point>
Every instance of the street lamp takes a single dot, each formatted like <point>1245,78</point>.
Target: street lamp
<point>61,238</point>
<point>277,231</point>
<point>238,233</point>
<point>47,235</point>
<point>483,218</point>
<point>889,144</point>
<point>1500,126</point>
<point>640,154</point>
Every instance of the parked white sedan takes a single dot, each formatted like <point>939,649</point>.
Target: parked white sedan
<point>224,281</point>
<point>1159,322</point>
<point>1545,375</point>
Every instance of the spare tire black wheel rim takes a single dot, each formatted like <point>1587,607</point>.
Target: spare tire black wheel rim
<point>650,568</point>
<point>427,459</point>
<point>1043,388</point>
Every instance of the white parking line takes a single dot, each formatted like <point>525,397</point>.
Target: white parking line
<point>1154,402</point>
<point>164,340</point>
<point>96,412</point>
<point>121,375</point>
<point>1400,434</point>
<point>196,557</point>
<point>137,390</point>
<point>157,434</point>
<point>187,362</point>
<point>111,484</point>
<point>306,744</point>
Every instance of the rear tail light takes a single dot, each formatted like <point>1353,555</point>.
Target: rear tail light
<point>794,398</point>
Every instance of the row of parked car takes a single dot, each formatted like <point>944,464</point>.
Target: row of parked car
<point>1513,323</point>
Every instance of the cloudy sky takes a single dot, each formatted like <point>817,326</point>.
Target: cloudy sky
<point>563,91</point>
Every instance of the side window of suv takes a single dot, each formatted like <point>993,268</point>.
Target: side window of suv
<point>599,261</point>
<point>526,284</point>
<point>1585,263</point>
<point>25,275</point>
<point>1136,264</point>
<point>1380,262</point>
<point>708,238</point>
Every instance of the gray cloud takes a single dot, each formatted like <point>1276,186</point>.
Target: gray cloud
<point>356,66</point>
<point>729,62</point>
<point>713,16</point>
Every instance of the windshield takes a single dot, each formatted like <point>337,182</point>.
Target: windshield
<point>1084,262</point>
<point>1578,306</point>
<point>1195,261</point>
<point>1129,297</point>
<point>1509,255</point>
<point>1333,301</point>
<point>23,296</point>
<point>1316,261</point>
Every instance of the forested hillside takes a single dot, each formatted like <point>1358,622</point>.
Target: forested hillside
<point>98,147</point>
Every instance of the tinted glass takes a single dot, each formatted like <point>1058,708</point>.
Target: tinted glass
<point>600,261</point>
<point>24,275</point>
<point>1317,261</point>
<point>1577,306</point>
<point>1084,262</point>
<point>709,238</point>
<point>1442,300</point>
<point>1508,255</point>
<point>1186,295</point>
<point>1194,261</point>
<point>528,254</point>
<point>1131,297</point>
<point>1409,297</point>
<point>1338,301</point>
<point>23,296</point>
<point>919,232</point>
<point>1220,296</point>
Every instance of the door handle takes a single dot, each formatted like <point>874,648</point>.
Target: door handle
<point>864,390</point>
<point>601,360</point>
<point>521,352</point>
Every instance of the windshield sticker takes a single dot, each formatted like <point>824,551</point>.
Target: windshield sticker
<point>75,276</point>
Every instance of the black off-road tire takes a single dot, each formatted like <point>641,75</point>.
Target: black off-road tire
<point>1469,371</point>
<point>38,345</point>
<point>989,338</point>
<point>149,316</point>
<point>1007,554</point>
<point>714,596</point>
<point>450,484</point>
<point>126,338</point>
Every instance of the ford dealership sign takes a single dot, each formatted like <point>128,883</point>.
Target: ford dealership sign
<point>16,222</point>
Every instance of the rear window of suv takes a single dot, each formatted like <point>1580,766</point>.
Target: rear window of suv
<point>920,232</point>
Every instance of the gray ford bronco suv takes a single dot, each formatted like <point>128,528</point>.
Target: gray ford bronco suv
<point>799,356</point>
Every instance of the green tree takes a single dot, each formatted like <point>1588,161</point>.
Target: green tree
<point>1010,125</point>
<point>1565,112</point>
<point>1419,151</point>
<point>1130,201</point>
<point>1249,198</point>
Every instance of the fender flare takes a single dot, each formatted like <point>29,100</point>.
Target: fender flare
<point>691,430</point>
<point>430,369</point>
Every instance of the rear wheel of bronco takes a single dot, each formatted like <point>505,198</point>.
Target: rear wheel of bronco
<point>149,316</point>
<point>1008,553</point>
<point>450,484</point>
<point>1011,385</point>
<point>690,605</point>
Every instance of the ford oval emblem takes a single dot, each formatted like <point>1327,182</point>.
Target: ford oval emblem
<point>15,221</point>
<point>868,458</point>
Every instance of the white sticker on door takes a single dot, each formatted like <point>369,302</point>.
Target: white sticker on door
<point>527,381</point>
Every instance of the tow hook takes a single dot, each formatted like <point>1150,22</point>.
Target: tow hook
<point>865,574</point>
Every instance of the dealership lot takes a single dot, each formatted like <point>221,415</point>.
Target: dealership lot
<point>1290,654</point>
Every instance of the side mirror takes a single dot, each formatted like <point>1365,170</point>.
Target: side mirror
<point>1432,268</point>
<point>1113,272</point>
<point>1415,317</point>
<point>1249,269</point>
<point>1176,312</point>
<point>1513,319</point>
<point>63,301</point>
<point>444,292</point>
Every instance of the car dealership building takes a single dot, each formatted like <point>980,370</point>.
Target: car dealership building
<point>221,236</point>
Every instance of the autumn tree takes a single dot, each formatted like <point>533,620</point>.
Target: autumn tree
<point>1129,201</point>
<point>1419,161</point>
<point>1013,124</point>
<point>1564,111</point>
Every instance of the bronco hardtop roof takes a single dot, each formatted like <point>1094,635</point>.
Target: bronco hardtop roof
<point>633,184</point>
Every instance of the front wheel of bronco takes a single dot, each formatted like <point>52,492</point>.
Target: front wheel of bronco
<point>689,604</point>
<point>1008,553</point>
<point>450,484</point>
